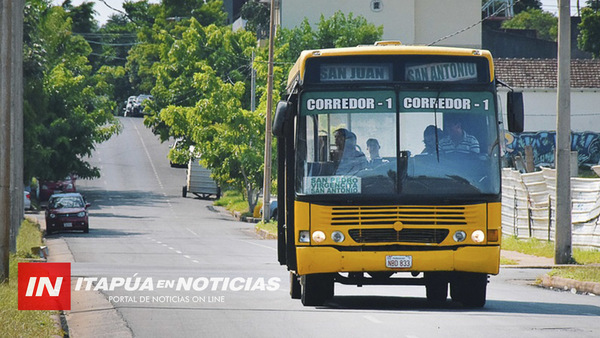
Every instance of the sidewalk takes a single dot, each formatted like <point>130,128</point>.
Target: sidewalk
<point>527,261</point>
<point>534,262</point>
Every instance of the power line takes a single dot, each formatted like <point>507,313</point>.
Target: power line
<point>112,44</point>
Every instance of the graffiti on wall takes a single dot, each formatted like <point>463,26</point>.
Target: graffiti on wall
<point>543,143</point>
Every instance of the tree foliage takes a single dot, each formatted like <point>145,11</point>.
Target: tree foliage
<point>258,16</point>
<point>197,69</point>
<point>337,31</point>
<point>67,110</point>
<point>525,5</point>
<point>545,23</point>
<point>589,31</point>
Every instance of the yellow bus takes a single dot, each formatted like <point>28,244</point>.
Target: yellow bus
<point>389,167</point>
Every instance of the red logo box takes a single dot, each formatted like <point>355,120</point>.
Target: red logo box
<point>44,286</point>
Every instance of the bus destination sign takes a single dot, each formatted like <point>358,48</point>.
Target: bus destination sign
<point>380,101</point>
<point>355,72</point>
<point>441,72</point>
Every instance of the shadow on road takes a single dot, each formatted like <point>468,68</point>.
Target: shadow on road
<point>100,198</point>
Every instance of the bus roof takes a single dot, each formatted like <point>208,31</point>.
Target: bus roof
<point>298,69</point>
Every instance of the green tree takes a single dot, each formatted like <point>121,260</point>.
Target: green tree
<point>67,110</point>
<point>525,5</point>
<point>545,23</point>
<point>229,137</point>
<point>257,15</point>
<point>203,105</point>
<point>589,31</point>
<point>337,31</point>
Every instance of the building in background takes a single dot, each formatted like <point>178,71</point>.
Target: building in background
<point>413,22</point>
<point>536,78</point>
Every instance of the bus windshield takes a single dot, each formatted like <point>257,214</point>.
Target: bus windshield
<point>410,143</point>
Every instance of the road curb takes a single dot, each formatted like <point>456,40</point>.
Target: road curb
<point>572,285</point>
<point>264,234</point>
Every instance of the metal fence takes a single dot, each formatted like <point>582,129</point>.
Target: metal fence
<point>528,206</point>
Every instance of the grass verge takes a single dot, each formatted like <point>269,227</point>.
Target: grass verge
<point>233,201</point>
<point>541,248</point>
<point>585,274</point>
<point>15,323</point>
<point>270,227</point>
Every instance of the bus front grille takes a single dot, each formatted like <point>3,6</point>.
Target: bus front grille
<point>404,235</point>
<point>407,215</point>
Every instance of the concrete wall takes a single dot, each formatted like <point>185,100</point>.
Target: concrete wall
<point>410,21</point>
<point>540,109</point>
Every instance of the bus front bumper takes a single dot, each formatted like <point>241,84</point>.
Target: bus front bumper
<point>480,259</point>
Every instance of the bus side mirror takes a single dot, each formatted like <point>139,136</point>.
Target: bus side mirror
<point>280,113</point>
<point>514,112</point>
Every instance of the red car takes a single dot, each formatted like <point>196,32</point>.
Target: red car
<point>47,188</point>
<point>67,212</point>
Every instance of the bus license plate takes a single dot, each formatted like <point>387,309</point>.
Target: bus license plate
<point>68,225</point>
<point>398,262</point>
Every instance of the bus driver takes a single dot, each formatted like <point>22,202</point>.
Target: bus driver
<point>457,140</point>
<point>349,158</point>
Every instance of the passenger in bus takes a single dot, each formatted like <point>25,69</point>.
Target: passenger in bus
<point>350,159</point>
<point>430,138</point>
<point>457,140</point>
<point>373,150</point>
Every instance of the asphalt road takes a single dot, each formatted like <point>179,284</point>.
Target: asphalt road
<point>201,273</point>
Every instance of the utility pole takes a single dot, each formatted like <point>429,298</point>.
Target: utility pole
<point>268,137</point>
<point>11,132</point>
<point>562,244</point>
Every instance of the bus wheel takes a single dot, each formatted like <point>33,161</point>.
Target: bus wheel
<point>316,289</point>
<point>436,286</point>
<point>469,289</point>
<point>295,288</point>
<point>184,191</point>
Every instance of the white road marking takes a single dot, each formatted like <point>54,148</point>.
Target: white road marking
<point>193,233</point>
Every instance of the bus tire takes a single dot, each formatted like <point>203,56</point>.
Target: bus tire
<point>469,289</point>
<point>436,287</point>
<point>316,289</point>
<point>184,191</point>
<point>295,288</point>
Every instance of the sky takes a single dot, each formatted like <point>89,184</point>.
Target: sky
<point>104,12</point>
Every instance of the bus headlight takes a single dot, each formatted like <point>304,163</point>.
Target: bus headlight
<point>304,236</point>
<point>318,236</point>
<point>477,236</point>
<point>459,236</point>
<point>337,236</point>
